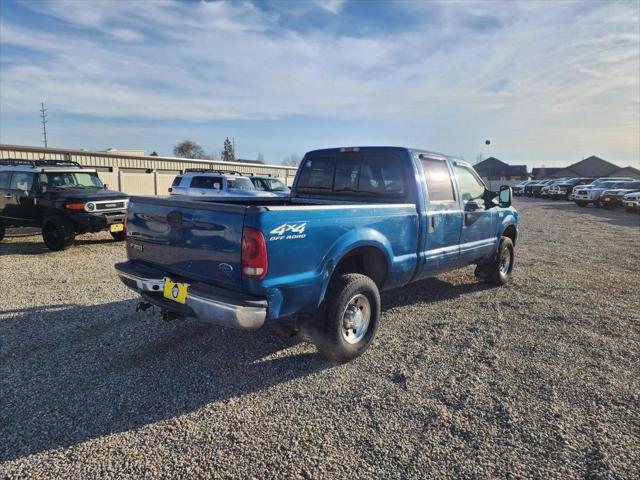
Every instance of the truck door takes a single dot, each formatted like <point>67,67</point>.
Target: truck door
<point>442,220</point>
<point>5,180</point>
<point>19,198</point>
<point>478,234</point>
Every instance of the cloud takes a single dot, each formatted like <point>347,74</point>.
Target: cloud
<point>527,71</point>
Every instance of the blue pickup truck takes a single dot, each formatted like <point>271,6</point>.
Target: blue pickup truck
<point>359,220</point>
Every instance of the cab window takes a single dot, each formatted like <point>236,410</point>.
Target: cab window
<point>471,188</point>
<point>438,178</point>
<point>21,181</point>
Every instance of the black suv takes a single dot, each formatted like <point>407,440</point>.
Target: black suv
<point>60,197</point>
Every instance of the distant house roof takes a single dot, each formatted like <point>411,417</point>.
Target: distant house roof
<point>593,167</point>
<point>498,168</point>
<point>627,172</point>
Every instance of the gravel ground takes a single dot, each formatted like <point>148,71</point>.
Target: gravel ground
<point>536,379</point>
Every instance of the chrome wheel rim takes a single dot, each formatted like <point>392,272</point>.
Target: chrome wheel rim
<point>505,261</point>
<point>356,318</point>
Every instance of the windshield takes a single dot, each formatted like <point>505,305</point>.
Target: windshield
<point>240,183</point>
<point>70,180</point>
<point>275,185</point>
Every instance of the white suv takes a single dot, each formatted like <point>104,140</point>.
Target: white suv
<point>215,183</point>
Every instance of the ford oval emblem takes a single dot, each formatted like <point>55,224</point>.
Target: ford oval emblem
<point>225,268</point>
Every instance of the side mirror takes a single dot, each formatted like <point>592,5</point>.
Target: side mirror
<point>505,196</point>
<point>106,187</point>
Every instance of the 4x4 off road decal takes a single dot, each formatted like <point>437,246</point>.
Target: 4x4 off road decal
<point>288,231</point>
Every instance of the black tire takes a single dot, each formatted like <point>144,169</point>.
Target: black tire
<point>344,293</point>
<point>498,272</point>
<point>555,198</point>
<point>581,204</point>
<point>2,230</point>
<point>58,233</point>
<point>609,205</point>
<point>119,236</point>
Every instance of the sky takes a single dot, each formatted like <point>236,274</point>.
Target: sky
<point>549,83</point>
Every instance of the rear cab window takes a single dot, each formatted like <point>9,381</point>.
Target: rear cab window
<point>438,179</point>
<point>352,174</point>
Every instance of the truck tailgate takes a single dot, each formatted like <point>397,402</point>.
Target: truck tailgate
<point>195,240</point>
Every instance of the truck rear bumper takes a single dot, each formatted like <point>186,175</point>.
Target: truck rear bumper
<point>207,303</point>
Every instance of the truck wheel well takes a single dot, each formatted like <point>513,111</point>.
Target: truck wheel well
<point>369,261</point>
<point>512,233</point>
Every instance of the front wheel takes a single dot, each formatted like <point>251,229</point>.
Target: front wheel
<point>119,236</point>
<point>499,271</point>
<point>351,320</point>
<point>58,233</point>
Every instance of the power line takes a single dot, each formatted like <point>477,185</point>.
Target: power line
<point>44,123</point>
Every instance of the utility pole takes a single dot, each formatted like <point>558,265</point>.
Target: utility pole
<point>233,146</point>
<point>43,111</point>
<point>487,143</point>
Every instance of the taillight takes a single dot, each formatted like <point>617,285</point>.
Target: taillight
<point>254,253</point>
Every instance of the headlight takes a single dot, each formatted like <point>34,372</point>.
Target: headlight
<point>90,206</point>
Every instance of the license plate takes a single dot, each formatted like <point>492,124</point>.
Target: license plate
<point>116,227</point>
<point>175,291</point>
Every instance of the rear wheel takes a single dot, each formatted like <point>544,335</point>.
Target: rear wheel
<point>119,236</point>
<point>58,233</point>
<point>351,318</point>
<point>581,204</point>
<point>498,272</point>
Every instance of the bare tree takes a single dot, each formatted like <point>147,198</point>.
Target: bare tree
<point>292,160</point>
<point>188,149</point>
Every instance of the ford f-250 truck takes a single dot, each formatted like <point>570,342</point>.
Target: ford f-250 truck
<point>358,221</point>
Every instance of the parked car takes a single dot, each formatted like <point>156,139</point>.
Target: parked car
<point>518,189</point>
<point>358,221</point>
<point>270,184</point>
<point>612,198</point>
<point>564,189</point>
<point>544,191</point>
<point>591,193</point>
<point>62,198</point>
<point>215,183</point>
<point>534,189</point>
<point>631,202</point>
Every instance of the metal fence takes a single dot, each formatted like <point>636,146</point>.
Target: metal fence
<point>140,175</point>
